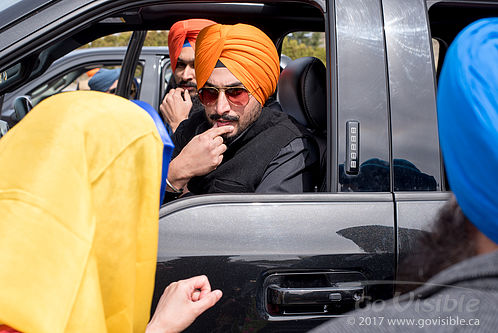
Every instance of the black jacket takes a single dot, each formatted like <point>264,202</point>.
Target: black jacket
<point>247,157</point>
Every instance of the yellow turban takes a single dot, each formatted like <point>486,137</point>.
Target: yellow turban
<point>79,185</point>
<point>246,51</point>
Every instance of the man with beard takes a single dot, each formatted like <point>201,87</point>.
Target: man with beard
<point>177,105</point>
<point>458,261</point>
<point>237,145</point>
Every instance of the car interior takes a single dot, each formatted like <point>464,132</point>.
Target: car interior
<point>303,91</point>
<point>276,19</point>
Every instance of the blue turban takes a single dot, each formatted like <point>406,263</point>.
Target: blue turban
<point>103,79</point>
<point>166,139</point>
<point>468,122</point>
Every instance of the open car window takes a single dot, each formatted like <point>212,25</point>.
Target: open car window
<point>156,19</point>
<point>77,79</point>
<point>300,44</point>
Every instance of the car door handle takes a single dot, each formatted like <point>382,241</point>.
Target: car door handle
<point>306,294</point>
<point>314,296</point>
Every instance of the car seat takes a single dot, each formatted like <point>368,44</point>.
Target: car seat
<point>302,94</point>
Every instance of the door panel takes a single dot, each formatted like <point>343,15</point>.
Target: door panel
<point>415,213</point>
<point>412,96</point>
<point>238,241</point>
<point>362,97</point>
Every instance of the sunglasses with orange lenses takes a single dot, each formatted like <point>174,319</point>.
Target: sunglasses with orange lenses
<point>237,96</point>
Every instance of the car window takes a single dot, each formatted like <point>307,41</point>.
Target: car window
<point>446,21</point>
<point>157,38</point>
<point>113,40</point>
<point>77,79</point>
<point>300,44</point>
<point>71,72</point>
<point>78,76</point>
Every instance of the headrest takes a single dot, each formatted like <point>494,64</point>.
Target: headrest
<point>302,92</point>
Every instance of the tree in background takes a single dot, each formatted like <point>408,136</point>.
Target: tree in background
<point>153,38</point>
<point>305,44</point>
<point>156,38</point>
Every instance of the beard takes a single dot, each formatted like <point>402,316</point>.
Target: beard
<point>252,115</point>
<point>451,240</point>
<point>226,138</point>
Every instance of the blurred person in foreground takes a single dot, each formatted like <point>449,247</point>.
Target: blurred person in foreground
<point>177,105</point>
<point>81,174</point>
<point>237,145</point>
<point>459,260</point>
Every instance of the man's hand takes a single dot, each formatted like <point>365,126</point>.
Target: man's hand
<point>181,303</point>
<point>200,156</point>
<point>176,107</point>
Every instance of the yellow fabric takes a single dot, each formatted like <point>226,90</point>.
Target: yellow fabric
<point>246,51</point>
<point>79,198</point>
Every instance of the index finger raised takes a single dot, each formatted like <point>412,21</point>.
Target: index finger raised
<point>217,131</point>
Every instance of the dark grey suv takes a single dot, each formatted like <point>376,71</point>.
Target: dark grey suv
<point>279,258</point>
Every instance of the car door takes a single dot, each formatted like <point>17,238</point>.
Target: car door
<point>288,262</point>
<point>284,261</point>
<point>418,34</point>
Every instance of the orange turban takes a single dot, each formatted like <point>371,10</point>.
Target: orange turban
<point>245,50</point>
<point>181,31</point>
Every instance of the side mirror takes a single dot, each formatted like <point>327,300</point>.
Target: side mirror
<point>22,105</point>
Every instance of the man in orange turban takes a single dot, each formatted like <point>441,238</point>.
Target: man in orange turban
<point>237,145</point>
<point>177,105</point>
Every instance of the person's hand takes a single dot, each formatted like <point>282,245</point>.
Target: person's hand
<point>176,106</point>
<point>181,303</point>
<point>200,156</point>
